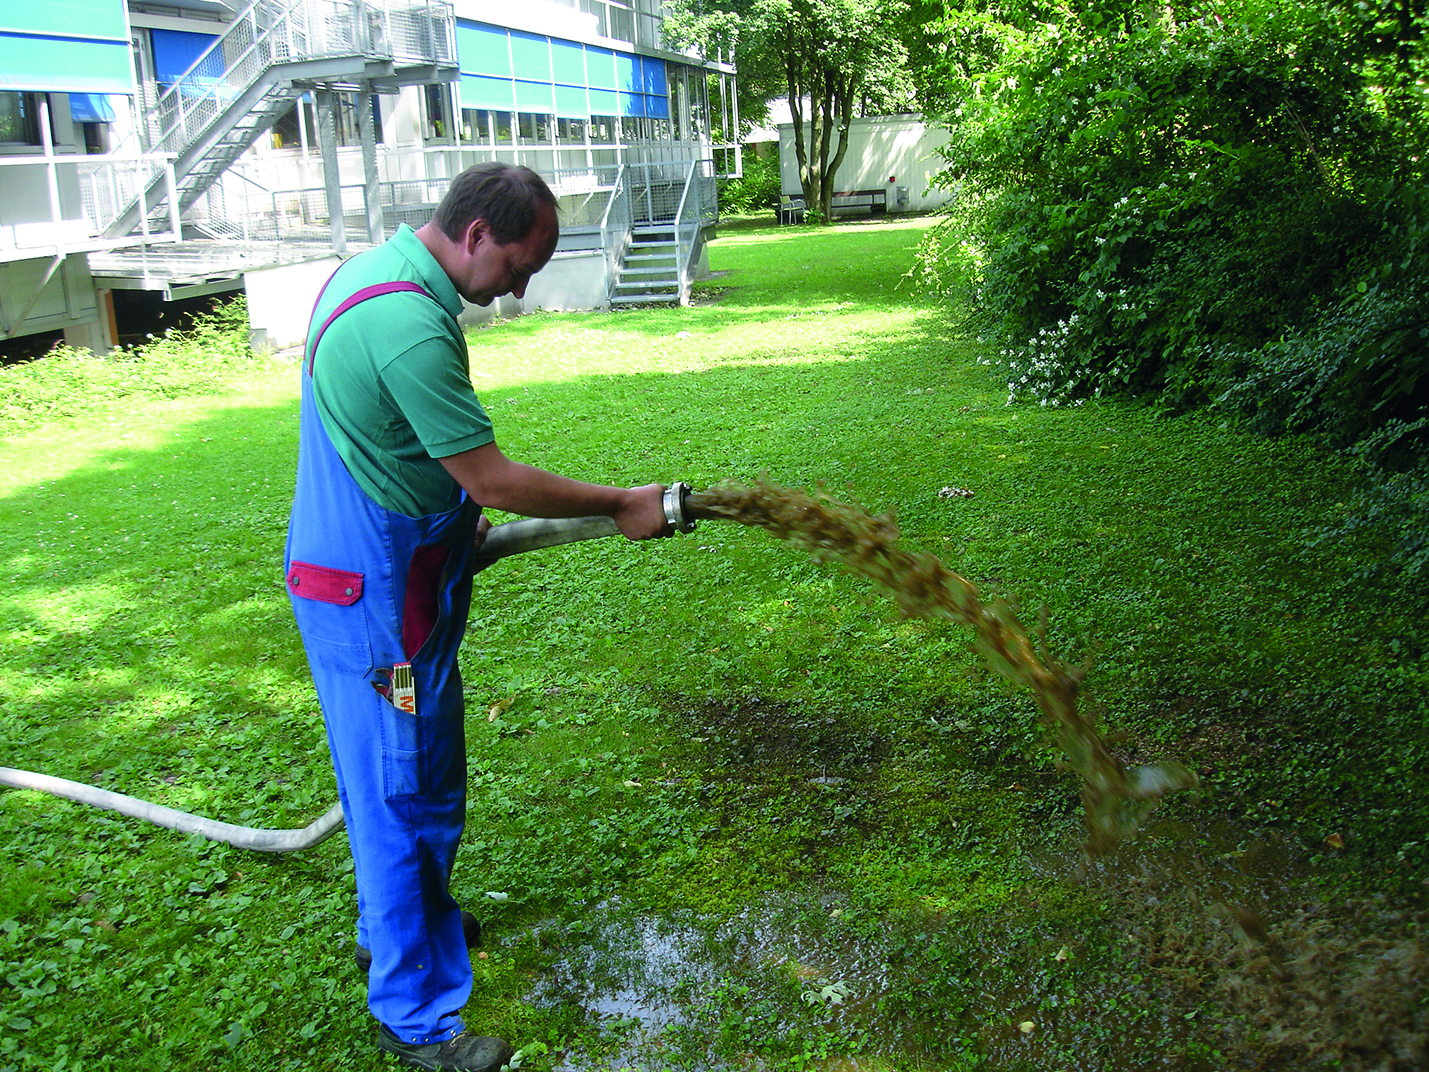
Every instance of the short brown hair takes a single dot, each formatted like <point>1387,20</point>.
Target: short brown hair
<point>507,196</point>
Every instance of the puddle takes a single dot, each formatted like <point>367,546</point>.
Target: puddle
<point>1168,978</point>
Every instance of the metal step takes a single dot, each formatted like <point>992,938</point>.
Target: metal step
<point>645,299</point>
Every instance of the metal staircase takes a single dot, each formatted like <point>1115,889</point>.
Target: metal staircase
<point>669,207</point>
<point>273,52</point>
<point>650,271</point>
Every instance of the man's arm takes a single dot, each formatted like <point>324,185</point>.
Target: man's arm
<point>495,481</point>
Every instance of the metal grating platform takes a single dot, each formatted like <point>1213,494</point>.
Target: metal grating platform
<point>193,269</point>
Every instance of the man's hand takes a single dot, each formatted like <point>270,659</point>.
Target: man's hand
<point>642,515</point>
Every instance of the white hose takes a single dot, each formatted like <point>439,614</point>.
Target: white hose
<point>242,837</point>
<point>501,541</point>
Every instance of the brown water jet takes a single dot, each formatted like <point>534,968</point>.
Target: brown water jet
<point>1116,798</point>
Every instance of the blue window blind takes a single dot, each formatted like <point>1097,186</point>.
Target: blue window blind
<point>653,75</point>
<point>627,73</point>
<point>483,50</point>
<point>568,63</point>
<point>175,51</point>
<point>604,102</point>
<point>90,108</point>
<point>600,69</point>
<point>92,19</point>
<point>495,93</point>
<point>65,46</point>
<point>572,103</point>
<point>536,97</point>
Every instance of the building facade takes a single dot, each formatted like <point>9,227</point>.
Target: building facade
<point>196,146</point>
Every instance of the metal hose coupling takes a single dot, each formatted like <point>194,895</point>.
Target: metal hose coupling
<point>675,514</point>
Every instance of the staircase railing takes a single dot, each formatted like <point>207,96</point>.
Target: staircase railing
<point>697,206</point>
<point>271,33</point>
<point>615,229</point>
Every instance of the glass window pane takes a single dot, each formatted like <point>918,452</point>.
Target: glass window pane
<point>602,130</point>
<point>503,127</point>
<point>18,125</point>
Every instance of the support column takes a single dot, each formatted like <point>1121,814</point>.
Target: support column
<point>372,188</point>
<point>326,102</point>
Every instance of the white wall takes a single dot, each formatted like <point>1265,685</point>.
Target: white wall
<point>281,299</point>
<point>885,152</point>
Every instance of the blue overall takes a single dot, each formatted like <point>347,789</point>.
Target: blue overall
<point>372,589</point>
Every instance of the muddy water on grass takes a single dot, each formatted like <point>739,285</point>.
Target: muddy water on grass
<point>1209,955</point>
<point>1164,980</point>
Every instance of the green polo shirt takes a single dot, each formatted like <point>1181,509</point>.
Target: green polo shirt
<point>391,380</point>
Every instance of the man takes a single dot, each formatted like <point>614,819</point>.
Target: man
<point>395,462</point>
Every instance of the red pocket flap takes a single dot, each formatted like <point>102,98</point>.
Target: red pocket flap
<point>342,587</point>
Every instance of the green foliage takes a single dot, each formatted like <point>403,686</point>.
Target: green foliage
<point>68,382</point>
<point>757,192</point>
<point>1188,204</point>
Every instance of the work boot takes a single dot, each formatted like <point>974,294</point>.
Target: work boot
<point>465,1053</point>
<point>470,929</point>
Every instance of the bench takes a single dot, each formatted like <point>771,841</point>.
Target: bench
<point>875,200</point>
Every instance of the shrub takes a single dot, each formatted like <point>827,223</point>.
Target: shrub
<point>757,191</point>
<point>67,381</point>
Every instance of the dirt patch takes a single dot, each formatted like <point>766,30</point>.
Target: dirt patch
<point>763,733</point>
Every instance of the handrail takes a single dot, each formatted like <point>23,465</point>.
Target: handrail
<point>683,249</point>
<point>614,246</point>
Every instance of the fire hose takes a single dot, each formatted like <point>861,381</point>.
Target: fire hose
<point>502,541</point>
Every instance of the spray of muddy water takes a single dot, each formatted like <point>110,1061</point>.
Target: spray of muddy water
<point>1116,798</point>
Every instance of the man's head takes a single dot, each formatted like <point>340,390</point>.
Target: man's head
<point>495,229</point>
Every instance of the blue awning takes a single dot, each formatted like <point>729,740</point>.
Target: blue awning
<point>90,108</point>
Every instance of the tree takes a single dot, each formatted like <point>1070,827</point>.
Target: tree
<point>832,58</point>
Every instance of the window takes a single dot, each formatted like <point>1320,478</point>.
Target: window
<point>549,76</point>
<point>570,131</point>
<point>439,110</point>
<point>19,118</point>
<point>476,126</point>
<point>535,128</point>
<point>285,130</point>
<point>505,130</point>
<point>602,130</point>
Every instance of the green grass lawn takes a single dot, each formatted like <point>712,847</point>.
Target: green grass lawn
<point>727,809</point>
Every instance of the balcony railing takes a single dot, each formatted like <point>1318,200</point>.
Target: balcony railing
<point>72,201</point>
